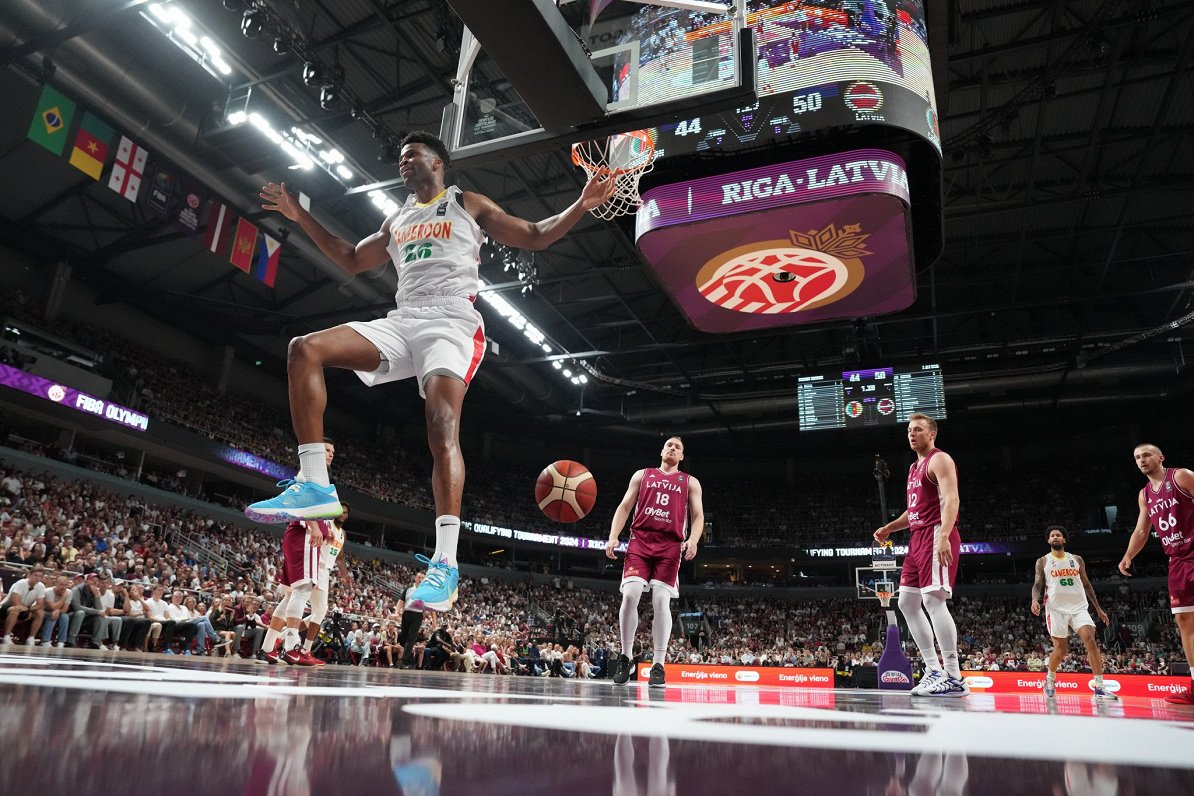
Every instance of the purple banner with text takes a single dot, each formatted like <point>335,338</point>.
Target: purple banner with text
<point>70,397</point>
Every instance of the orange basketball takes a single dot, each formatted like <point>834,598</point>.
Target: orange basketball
<point>566,491</point>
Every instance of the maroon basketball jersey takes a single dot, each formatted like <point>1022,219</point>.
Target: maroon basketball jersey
<point>924,499</point>
<point>1171,512</point>
<point>662,505</point>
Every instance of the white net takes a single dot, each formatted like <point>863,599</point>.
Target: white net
<point>624,158</point>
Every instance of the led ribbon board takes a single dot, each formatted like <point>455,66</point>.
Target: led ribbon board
<point>793,243</point>
<point>75,399</point>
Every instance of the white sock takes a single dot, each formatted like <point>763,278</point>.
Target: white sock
<point>909,603</point>
<point>307,645</point>
<point>313,463</point>
<point>628,617</point>
<point>447,539</point>
<point>290,638</point>
<point>271,639</point>
<point>661,623</point>
<point>945,630</point>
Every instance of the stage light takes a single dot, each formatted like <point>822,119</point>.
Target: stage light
<point>251,22</point>
<point>311,73</point>
<point>329,96</point>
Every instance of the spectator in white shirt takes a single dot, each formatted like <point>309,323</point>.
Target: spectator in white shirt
<point>57,612</point>
<point>183,626</point>
<point>25,600</point>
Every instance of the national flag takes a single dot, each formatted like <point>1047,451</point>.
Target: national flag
<point>51,120</point>
<point>91,146</point>
<point>193,196</point>
<point>219,224</point>
<point>128,168</point>
<point>265,267</point>
<point>243,244</point>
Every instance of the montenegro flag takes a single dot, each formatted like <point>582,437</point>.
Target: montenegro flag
<point>243,244</point>
<point>91,146</point>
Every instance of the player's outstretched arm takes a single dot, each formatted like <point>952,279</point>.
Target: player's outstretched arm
<point>622,513</point>
<point>367,254</point>
<point>1038,586</point>
<point>1091,597</point>
<point>520,233</point>
<point>696,519</point>
<point>1139,536</point>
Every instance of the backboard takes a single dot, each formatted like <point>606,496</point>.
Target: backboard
<point>867,578</point>
<point>656,63</point>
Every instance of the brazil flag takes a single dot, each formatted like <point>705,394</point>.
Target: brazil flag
<point>51,120</point>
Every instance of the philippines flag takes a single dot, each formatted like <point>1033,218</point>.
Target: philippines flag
<point>126,172</point>
<point>265,268</point>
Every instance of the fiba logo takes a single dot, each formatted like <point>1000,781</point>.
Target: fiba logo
<point>892,676</point>
<point>746,677</point>
<point>979,681</point>
<point>56,393</point>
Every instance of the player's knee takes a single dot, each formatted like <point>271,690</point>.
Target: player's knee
<point>304,350</point>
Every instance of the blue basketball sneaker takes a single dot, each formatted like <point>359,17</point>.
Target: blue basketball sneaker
<point>439,589</point>
<point>300,500</point>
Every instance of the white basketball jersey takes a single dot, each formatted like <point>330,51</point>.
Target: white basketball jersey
<point>436,248</point>
<point>332,546</point>
<point>1063,584</point>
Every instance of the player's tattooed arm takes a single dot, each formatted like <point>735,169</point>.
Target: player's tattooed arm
<point>1038,586</point>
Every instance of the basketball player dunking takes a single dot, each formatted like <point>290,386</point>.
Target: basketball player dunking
<point>1068,595</point>
<point>1167,504</point>
<point>664,501</point>
<point>931,566</point>
<point>434,334</point>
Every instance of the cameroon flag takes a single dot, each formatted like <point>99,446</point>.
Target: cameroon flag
<point>51,120</point>
<point>91,146</point>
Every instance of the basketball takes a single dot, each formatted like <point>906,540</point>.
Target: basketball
<point>566,491</point>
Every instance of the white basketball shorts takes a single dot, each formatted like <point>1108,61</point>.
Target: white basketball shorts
<point>445,335</point>
<point>1060,623</point>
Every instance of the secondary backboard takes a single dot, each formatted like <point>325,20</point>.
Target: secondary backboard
<point>867,578</point>
<point>656,63</point>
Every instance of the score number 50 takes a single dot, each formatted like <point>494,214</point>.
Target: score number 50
<point>804,103</point>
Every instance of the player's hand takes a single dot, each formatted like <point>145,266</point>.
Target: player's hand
<point>597,191</point>
<point>314,533</point>
<point>689,549</point>
<point>1036,608</point>
<point>276,197</point>
<point>1106,620</point>
<point>1125,566</point>
<point>945,555</point>
<point>609,549</point>
<point>881,534</point>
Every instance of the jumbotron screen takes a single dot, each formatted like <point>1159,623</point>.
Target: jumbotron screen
<point>869,397</point>
<point>821,63</point>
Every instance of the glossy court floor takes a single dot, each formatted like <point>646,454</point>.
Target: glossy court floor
<point>84,723</point>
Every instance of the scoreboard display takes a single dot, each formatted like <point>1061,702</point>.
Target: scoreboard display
<point>870,397</point>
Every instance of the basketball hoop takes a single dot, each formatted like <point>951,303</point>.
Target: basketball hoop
<point>624,158</point>
<point>883,591</point>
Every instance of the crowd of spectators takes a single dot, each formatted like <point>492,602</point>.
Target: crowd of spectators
<point>115,566</point>
<point>997,504</point>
